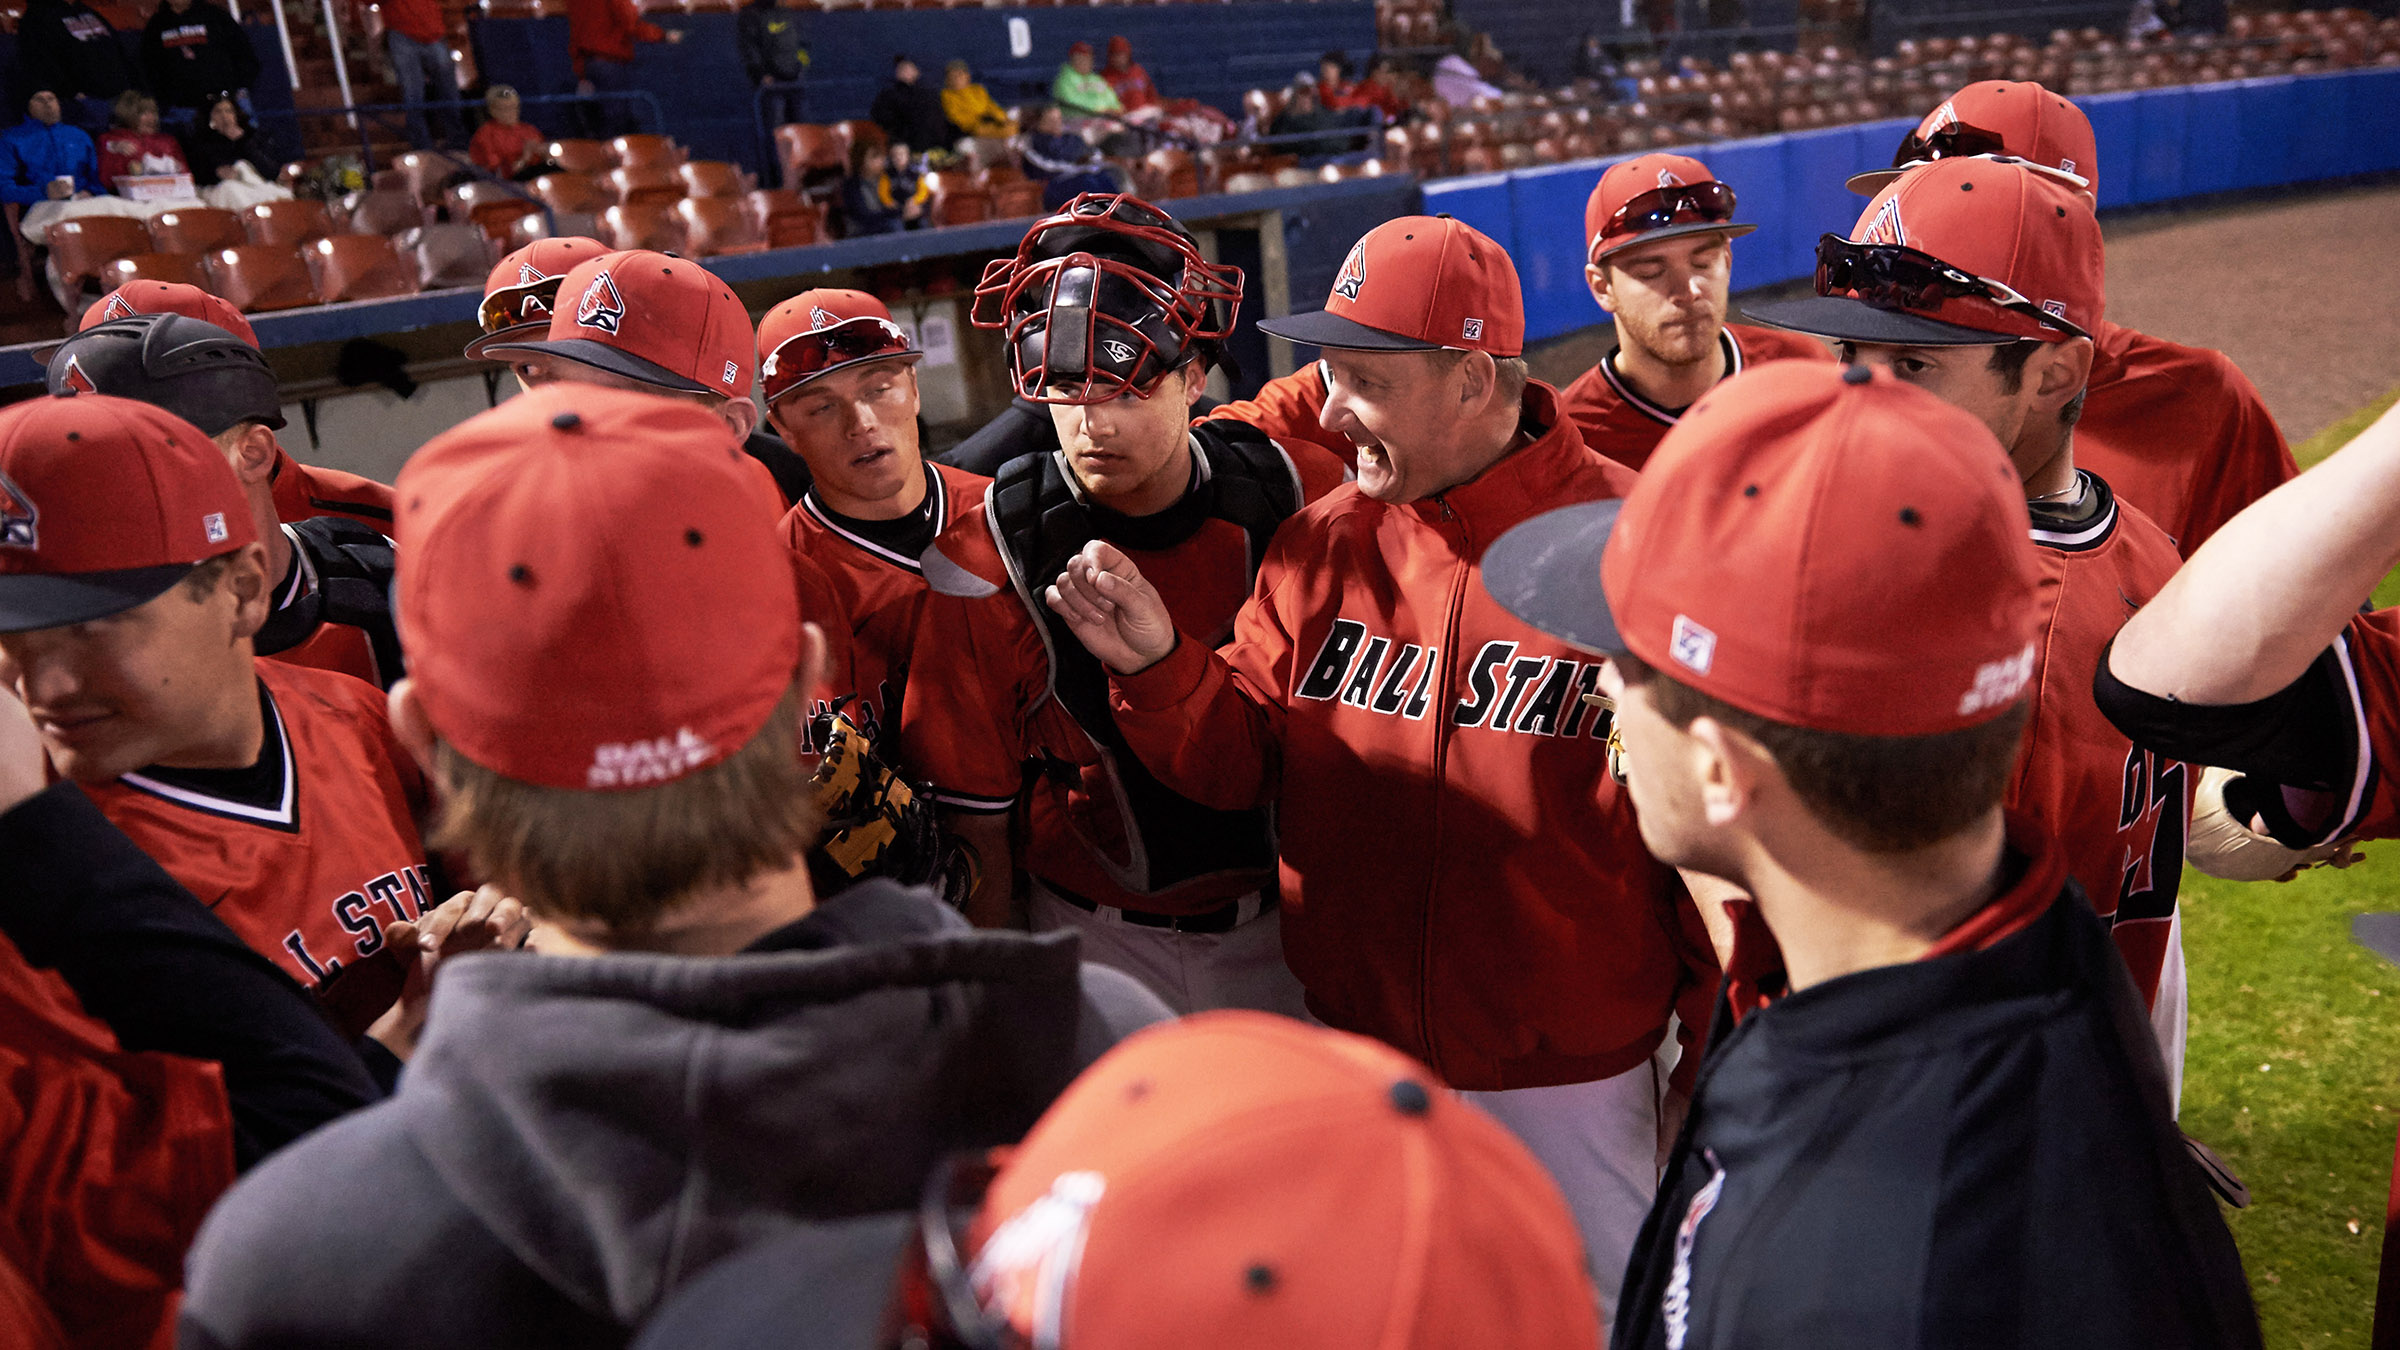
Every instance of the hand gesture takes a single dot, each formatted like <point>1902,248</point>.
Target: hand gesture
<point>470,921</point>
<point>1112,610</point>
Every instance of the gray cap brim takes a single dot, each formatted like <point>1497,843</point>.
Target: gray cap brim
<point>514,335</point>
<point>54,600</point>
<point>1324,328</point>
<point>601,356</point>
<point>1730,229</point>
<point>1843,319</point>
<point>1546,571</point>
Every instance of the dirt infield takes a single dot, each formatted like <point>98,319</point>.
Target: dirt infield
<point>2302,291</point>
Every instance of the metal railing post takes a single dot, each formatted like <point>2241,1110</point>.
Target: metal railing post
<point>341,65</point>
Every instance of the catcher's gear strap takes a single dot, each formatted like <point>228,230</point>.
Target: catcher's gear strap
<point>1039,521</point>
<point>2303,735</point>
<point>353,566</point>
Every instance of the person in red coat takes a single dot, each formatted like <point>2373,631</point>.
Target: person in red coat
<point>600,38</point>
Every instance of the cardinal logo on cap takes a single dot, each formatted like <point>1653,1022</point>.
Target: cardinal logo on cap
<point>116,308</point>
<point>1667,179</point>
<point>1943,116</point>
<point>20,523</point>
<point>601,307</point>
<point>1354,273</point>
<point>1027,1268</point>
<point>821,317</point>
<point>75,379</point>
<point>1885,228</point>
<point>527,274</point>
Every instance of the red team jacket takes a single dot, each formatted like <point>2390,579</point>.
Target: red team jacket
<point>984,713</point>
<point>1621,424</point>
<point>312,881</point>
<point>2179,432</point>
<point>304,490</point>
<point>1461,877</point>
<point>881,597</point>
<point>1288,408</point>
<point>109,1159</point>
<point>2118,810</point>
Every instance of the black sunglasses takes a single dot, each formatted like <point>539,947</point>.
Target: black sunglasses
<point>1893,276</point>
<point>1678,204</point>
<point>1955,141</point>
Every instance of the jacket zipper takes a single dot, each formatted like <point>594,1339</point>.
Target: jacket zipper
<point>1443,696</point>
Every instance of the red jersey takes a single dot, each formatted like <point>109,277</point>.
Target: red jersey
<point>1288,408</point>
<point>499,148</point>
<point>311,860</point>
<point>1621,424</point>
<point>109,1160</point>
<point>2367,656</point>
<point>985,713</point>
<point>1461,877</point>
<point>419,20</point>
<point>884,595</point>
<point>2118,810</point>
<point>606,29</point>
<point>2179,431</point>
<point>304,490</point>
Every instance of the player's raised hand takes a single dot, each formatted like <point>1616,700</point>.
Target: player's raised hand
<point>1110,607</point>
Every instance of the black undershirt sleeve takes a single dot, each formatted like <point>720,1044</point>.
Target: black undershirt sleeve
<point>147,959</point>
<point>2303,736</point>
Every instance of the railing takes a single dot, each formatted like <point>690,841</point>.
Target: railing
<point>653,116</point>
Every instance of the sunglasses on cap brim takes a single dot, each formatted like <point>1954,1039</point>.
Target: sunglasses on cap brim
<point>1955,141</point>
<point>516,306</point>
<point>948,1314</point>
<point>804,356</point>
<point>1894,276</point>
<point>1680,204</point>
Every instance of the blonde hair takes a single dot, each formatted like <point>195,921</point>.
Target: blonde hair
<point>625,859</point>
<point>500,93</point>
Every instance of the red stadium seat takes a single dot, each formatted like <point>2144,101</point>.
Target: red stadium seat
<point>359,267</point>
<point>499,219</point>
<point>644,152</point>
<point>1016,199</point>
<point>572,192</point>
<point>575,156</point>
<point>259,277</point>
<point>378,212</point>
<point>712,178</point>
<point>425,171</point>
<point>785,220</point>
<point>197,229</point>
<point>283,224</point>
<point>81,245</point>
<point>718,225</point>
<point>448,255</point>
<point>186,268</point>
<point>645,185</point>
<point>957,200</point>
<point>652,225</point>
<point>462,199</point>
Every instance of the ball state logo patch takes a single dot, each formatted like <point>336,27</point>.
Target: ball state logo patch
<point>117,308</point>
<point>601,307</point>
<point>1354,273</point>
<point>1667,179</point>
<point>1885,227</point>
<point>74,378</point>
<point>20,523</point>
<point>821,317</point>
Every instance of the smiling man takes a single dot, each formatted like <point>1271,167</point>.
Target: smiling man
<point>1658,236</point>
<point>1460,878</point>
<point>1112,319</point>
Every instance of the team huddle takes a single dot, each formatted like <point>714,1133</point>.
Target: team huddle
<point>1413,856</point>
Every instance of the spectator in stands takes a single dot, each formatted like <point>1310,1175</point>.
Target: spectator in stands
<point>1375,91</point>
<point>1128,81</point>
<point>908,112</point>
<point>774,54</point>
<point>885,192</point>
<point>600,38</point>
<point>194,54</point>
<point>1063,162</point>
<point>1080,91</point>
<point>134,144</point>
<point>1301,114</point>
<point>229,163</point>
<point>507,146</point>
<point>419,51</point>
<point>44,162</point>
<point>974,115</point>
<point>1456,83</point>
<point>1333,79</point>
<point>68,48</point>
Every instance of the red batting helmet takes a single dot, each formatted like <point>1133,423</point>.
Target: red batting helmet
<point>1108,296</point>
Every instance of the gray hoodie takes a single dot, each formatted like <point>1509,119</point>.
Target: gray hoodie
<point>578,1135</point>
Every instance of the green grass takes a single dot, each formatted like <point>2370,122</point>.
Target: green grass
<point>2289,1072</point>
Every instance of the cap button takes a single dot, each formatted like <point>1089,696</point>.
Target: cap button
<point>566,421</point>
<point>1410,1098</point>
<point>1855,374</point>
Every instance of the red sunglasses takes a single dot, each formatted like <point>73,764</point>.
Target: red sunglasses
<point>804,356</point>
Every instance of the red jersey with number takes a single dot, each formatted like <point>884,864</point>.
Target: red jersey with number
<point>109,1160</point>
<point>2179,432</point>
<point>985,715</point>
<point>304,490</point>
<point>1618,422</point>
<point>2118,810</point>
<point>883,594</point>
<point>311,866</point>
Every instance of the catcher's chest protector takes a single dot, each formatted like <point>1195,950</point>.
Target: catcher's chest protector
<point>1039,524</point>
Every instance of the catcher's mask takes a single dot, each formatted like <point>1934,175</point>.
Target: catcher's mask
<point>1107,297</point>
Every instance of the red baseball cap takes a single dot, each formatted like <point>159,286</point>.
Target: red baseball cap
<point>652,317</point>
<point>520,293</point>
<point>167,297</point>
<point>1238,1179</point>
<point>2014,118</point>
<point>1418,284</point>
<point>104,504</point>
<point>818,332</point>
<point>593,591</point>
<point>1821,545</point>
<point>1960,252</point>
<point>1652,197</point>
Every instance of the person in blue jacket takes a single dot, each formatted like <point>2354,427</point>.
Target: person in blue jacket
<point>42,159</point>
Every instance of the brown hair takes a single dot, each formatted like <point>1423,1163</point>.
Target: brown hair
<point>624,859</point>
<point>206,575</point>
<point>1509,372</point>
<point>1882,794</point>
<point>2008,361</point>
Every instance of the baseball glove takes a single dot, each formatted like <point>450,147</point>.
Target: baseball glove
<point>2223,845</point>
<point>876,825</point>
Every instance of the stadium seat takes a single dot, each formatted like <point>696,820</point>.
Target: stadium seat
<point>957,200</point>
<point>572,192</point>
<point>712,178</point>
<point>499,219</point>
<point>284,224</point>
<point>859,131</point>
<point>79,246</point>
<point>196,229</point>
<point>643,152</point>
<point>575,156</point>
<point>186,268</point>
<point>1248,182</point>
<point>1016,199</point>
<point>805,147</point>
<point>448,255</point>
<point>378,212</point>
<point>462,199</point>
<point>259,277</point>
<point>785,220</point>
<point>645,185</point>
<point>1170,172</point>
<point>359,267</point>
<point>718,225</point>
<point>652,225</point>
<point>426,171</point>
